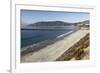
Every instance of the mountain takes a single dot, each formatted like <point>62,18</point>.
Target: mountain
<point>57,23</point>
<point>51,23</point>
<point>83,22</point>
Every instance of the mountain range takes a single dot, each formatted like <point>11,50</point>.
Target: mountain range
<point>57,23</point>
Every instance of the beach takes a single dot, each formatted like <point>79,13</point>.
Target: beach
<point>55,51</point>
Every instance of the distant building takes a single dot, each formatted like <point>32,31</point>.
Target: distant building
<point>83,26</point>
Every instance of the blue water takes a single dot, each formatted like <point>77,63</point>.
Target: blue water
<point>29,37</point>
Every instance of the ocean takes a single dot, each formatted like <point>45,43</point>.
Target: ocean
<point>29,37</point>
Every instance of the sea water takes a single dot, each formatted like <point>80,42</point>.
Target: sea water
<point>29,37</point>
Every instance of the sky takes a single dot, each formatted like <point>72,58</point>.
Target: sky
<point>33,16</point>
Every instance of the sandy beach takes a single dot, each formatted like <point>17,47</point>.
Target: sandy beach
<point>55,50</point>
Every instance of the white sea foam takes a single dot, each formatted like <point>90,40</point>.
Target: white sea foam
<point>65,34</point>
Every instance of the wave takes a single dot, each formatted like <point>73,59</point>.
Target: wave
<point>40,45</point>
<point>65,34</point>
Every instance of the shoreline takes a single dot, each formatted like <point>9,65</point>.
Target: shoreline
<point>56,50</point>
<point>40,45</point>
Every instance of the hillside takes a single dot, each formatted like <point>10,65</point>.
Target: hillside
<point>83,22</point>
<point>51,23</point>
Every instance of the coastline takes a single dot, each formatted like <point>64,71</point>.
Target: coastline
<point>56,50</point>
<point>40,45</point>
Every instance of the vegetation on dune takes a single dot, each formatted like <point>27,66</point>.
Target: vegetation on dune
<point>77,51</point>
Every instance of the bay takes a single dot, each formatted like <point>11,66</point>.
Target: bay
<point>29,37</point>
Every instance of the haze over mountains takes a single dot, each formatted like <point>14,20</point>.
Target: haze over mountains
<point>83,22</point>
<point>57,23</point>
<point>53,24</point>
